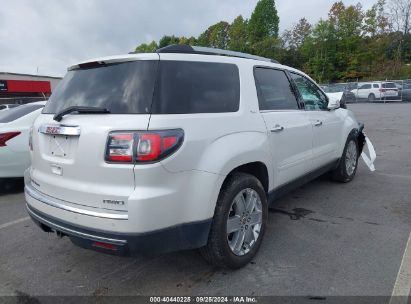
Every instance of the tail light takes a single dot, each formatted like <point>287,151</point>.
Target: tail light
<point>142,146</point>
<point>4,137</point>
<point>383,90</point>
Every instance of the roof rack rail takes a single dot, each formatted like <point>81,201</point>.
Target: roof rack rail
<point>188,49</point>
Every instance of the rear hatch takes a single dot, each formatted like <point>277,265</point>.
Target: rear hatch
<point>68,162</point>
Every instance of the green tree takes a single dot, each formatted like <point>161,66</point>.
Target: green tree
<point>264,22</point>
<point>168,40</point>
<point>215,36</point>
<point>147,48</point>
<point>376,22</point>
<point>237,35</point>
<point>320,49</point>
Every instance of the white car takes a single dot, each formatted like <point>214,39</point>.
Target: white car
<point>5,107</point>
<point>15,125</point>
<point>373,91</point>
<point>179,149</point>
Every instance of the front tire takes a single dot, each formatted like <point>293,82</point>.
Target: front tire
<point>347,166</point>
<point>239,222</point>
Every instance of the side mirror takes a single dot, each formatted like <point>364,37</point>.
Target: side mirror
<point>334,102</point>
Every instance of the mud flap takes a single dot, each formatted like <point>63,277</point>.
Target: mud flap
<point>369,160</point>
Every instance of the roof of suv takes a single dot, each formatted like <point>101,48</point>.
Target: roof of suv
<point>188,51</point>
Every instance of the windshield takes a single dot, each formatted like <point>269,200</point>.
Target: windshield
<point>122,88</point>
<point>18,112</point>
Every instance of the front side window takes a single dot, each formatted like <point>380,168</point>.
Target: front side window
<point>314,99</point>
<point>274,90</point>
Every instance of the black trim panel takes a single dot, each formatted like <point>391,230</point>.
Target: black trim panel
<point>286,188</point>
<point>180,237</point>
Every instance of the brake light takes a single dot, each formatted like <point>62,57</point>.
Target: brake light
<point>4,137</point>
<point>142,146</point>
<point>120,147</point>
<point>382,90</point>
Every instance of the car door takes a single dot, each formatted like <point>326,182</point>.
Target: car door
<point>326,124</point>
<point>288,125</point>
<point>364,91</point>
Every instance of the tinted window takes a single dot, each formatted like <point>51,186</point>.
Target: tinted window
<point>274,90</point>
<point>314,99</point>
<point>125,88</point>
<point>365,86</point>
<point>18,112</point>
<point>389,85</point>
<point>2,107</point>
<point>197,87</point>
<point>376,86</point>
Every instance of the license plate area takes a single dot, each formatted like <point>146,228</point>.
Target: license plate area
<point>60,146</point>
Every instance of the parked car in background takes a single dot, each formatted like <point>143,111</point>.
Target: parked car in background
<point>347,95</point>
<point>373,91</point>
<point>4,107</point>
<point>406,92</point>
<point>15,126</point>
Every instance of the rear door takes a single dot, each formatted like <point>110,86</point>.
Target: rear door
<point>326,124</point>
<point>289,127</point>
<point>68,162</point>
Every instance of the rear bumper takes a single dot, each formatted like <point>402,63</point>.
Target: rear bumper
<point>180,237</point>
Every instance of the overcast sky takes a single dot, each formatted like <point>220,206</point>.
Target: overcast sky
<point>52,35</point>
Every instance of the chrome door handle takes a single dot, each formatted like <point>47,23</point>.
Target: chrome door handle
<point>277,128</point>
<point>318,123</point>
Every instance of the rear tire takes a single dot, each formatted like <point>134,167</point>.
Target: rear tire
<point>242,209</point>
<point>371,97</point>
<point>347,166</point>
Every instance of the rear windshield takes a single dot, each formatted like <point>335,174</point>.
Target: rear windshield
<point>140,87</point>
<point>124,88</point>
<point>389,85</point>
<point>18,112</point>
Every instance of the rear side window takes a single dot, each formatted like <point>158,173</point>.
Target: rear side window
<point>196,87</point>
<point>376,86</point>
<point>18,112</point>
<point>274,90</point>
<point>389,85</point>
<point>122,88</point>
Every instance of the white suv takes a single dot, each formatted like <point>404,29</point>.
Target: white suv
<point>376,91</point>
<point>179,149</point>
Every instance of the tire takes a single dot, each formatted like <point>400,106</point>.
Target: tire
<point>222,249</point>
<point>347,166</point>
<point>371,97</point>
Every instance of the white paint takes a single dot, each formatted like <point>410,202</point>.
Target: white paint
<point>23,219</point>
<point>402,286</point>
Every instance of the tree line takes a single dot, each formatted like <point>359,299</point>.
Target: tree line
<point>351,44</point>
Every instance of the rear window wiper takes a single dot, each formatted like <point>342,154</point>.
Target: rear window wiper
<point>81,110</point>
